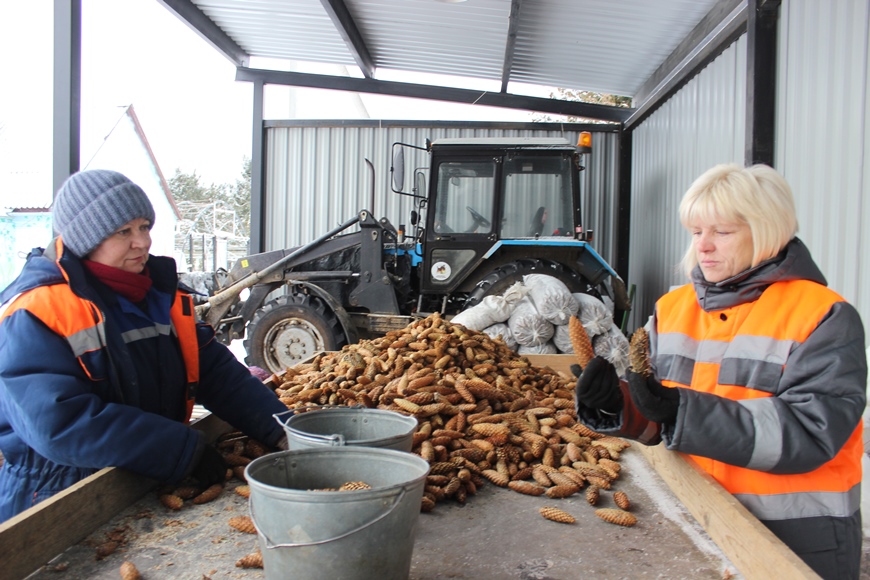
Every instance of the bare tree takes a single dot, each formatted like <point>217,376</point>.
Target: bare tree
<point>583,97</point>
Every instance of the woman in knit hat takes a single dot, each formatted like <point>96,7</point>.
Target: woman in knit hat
<point>101,359</point>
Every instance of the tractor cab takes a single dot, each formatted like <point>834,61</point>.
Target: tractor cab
<point>491,201</point>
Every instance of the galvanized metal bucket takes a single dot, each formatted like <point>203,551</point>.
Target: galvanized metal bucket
<point>337,426</point>
<point>308,534</point>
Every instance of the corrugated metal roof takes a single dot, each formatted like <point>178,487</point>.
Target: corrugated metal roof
<point>595,45</point>
<point>275,28</point>
<point>609,47</point>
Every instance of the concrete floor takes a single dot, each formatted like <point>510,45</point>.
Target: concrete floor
<point>500,534</point>
<point>497,534</point>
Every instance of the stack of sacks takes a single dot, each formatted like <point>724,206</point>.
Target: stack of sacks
<point>492,309</point>
<point>549,304</point>
<point>532,316</point>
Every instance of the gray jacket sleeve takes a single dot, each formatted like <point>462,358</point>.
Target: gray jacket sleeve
<point>818,403</point>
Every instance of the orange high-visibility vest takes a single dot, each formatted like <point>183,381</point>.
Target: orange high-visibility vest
<point>761,333</point>
<point>81,323</point>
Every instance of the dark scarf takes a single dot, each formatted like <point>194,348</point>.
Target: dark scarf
<point>131,286</point>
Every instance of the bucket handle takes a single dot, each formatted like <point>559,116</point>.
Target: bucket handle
<point>335,440</point>
<point>291,412</point>
<point>270,545</point>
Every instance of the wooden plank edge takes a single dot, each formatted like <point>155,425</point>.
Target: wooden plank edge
<point>40,533</point>
<point>748,543</point>
<point>45,530</point>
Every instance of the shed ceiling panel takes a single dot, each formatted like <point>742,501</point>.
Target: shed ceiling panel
<point>604,46</point>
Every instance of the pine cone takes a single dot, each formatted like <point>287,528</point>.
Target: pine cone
<point>618,517</point>
<point>580,341</point>
<point>129,572</point>
<point>526,487</point>
<point>354,486</point>
<point>556,515</point>
<point>244,524</point>
<point>592,494</point>
<point>254,560</point>
<point>173,502</point>
<point>621,499</point>
<point>638,353</point>
<point>560,491</point>
<point>209,494</point>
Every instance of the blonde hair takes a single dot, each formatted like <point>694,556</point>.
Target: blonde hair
<point>757,196</point>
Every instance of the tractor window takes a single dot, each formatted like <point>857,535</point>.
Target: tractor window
<point>464,199</point>
<point>537,197</point>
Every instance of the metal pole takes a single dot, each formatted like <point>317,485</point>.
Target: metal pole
<point>67,89</point>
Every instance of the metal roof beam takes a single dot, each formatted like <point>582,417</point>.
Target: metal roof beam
<point>346,27</point>
<point>725,22</point>
<point>511,43</point>
<point>190,14</point>
<point>437,93</point>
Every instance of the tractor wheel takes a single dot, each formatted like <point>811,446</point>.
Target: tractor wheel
<point>503,277</point>
<point>291,329</point>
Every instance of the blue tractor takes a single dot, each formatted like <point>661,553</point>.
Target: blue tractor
<point>487,212</point>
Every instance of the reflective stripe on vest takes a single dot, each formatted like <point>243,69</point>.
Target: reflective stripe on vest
<point>741,357</point>
<point>184,322</point>
<point>76,320</point>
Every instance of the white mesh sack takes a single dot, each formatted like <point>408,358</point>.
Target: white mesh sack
<point>613,346</point>
<point>546,348</point>
<point>551,297</point>
<point>562,340</point>
<point>502,331</point>
<point>514,294</point>
<point>593,314</point>
<point>475,318</point>
<point>492,309</point>
<point>528,326</point>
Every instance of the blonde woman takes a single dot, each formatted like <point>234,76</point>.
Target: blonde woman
<point>759,370</point>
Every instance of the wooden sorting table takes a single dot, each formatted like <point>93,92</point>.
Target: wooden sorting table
<point>688,527</point>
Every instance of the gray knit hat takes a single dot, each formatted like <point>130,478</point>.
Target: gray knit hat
<point>91,205</point>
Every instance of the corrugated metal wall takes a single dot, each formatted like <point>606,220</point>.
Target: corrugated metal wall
<point>317,177</point>
<point>823,135</point>
<point>599,194</point>
<point>700,126</point>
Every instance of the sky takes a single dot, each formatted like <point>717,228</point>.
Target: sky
<point>196,117</point>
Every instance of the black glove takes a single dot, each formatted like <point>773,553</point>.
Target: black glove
<point>598,386</point>
<point>654,401</point>
<point>211,468</point>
